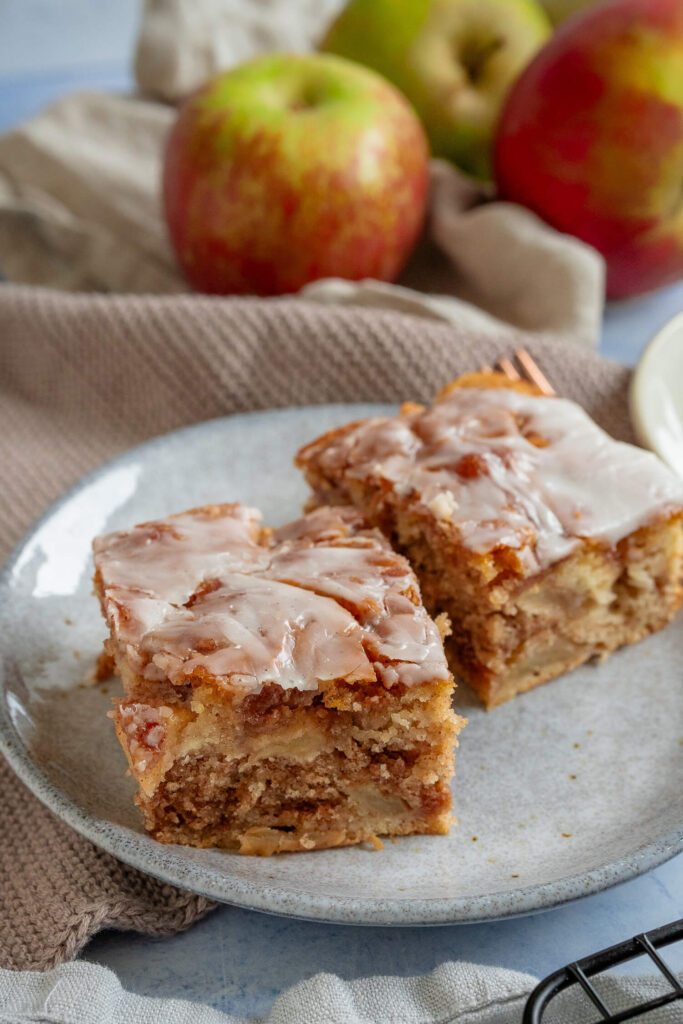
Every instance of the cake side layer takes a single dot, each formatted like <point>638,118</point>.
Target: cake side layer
<point>298,775</point>
<point>283,723</point>
<point>591,603</point>
<point>276,806</point>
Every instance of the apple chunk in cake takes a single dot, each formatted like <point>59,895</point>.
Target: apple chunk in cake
<point>284,690</point>
<point>543,539</point>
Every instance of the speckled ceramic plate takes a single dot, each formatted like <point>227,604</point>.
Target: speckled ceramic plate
<point>566,790</point>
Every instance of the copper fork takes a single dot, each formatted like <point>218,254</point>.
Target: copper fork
<point>530,371</point>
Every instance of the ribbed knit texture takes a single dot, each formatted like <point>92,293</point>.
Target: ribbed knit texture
<point>83,377</point>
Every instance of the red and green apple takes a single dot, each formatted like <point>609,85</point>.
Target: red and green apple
<point>293,168</point>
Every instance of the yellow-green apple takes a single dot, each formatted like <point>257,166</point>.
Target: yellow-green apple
<point>454,60</point>
<point>292,168</point>
<point>591,138</point>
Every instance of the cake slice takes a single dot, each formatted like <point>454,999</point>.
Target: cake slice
<point>545,541</point>
<point>284,690</point>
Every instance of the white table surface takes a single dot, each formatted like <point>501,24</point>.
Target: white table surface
<point>239,960</point>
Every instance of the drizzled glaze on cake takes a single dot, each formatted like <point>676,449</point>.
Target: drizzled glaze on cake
<point>209,593</point>
<point>506,469</point>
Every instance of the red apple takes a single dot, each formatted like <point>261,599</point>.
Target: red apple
<point>591,138</point>
<point>292,168</point>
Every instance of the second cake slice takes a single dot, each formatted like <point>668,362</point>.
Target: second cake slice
<point>544,540</point>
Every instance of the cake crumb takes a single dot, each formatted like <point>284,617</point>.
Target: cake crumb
<point>443,505</point>
<point>443,624</point>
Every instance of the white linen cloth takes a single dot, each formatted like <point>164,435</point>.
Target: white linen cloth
<point>85,993</point>
<point>79,193</point>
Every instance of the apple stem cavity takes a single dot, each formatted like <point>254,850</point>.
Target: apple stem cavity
<point>474,55</point>
<point>308,98</point>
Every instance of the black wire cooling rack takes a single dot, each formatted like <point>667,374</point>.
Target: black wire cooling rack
<point>581,971</point>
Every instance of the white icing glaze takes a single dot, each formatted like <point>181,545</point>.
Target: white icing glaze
<point>357,576</point>
<point>165,558</point>
<point>472,462</point>
<point>263,631</point>
<point>323,598</point>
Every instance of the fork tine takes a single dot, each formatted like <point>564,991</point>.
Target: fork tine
<point>508,369</point>
<point>534,373</point>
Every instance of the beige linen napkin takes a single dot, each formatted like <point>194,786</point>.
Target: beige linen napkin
<point>79,195</point>
<point>183,42</point>
<point>83,377</point>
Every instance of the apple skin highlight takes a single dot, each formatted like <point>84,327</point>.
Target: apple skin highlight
<point>591,139</point>
<point>293,168</point>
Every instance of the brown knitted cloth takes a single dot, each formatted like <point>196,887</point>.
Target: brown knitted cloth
<point>84,377</point>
